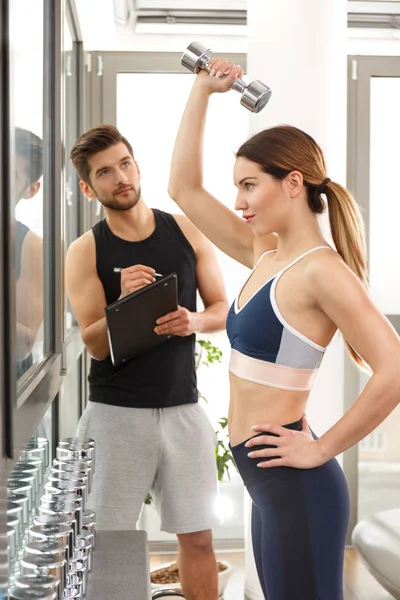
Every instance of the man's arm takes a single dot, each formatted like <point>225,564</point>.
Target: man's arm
<point>86,292</point>
<point>29,294</point>
<point>86,295</point>
<point>211,287</point>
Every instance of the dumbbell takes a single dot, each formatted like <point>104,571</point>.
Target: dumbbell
<point>255,95</point>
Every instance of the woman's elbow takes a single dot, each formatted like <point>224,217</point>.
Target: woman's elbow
<point>173,191</point>
<point>389,377</point>
<point>183,193</point>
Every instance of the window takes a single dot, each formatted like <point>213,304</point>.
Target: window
<point>27,179</point>
<point>151,128</point>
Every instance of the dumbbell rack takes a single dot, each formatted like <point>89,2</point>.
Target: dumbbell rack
<point>121,563</point>
<point>31,477</point>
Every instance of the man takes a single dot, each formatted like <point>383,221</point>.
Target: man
<point>28,248</point>
<point>150,432</point>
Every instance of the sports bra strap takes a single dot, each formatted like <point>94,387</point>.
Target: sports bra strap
<point>262,256</point>
<point>296,260</point>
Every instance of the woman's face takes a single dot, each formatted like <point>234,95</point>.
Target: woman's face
<point>263,200</point>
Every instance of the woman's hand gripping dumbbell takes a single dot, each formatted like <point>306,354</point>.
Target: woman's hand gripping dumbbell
<point>197,57</point>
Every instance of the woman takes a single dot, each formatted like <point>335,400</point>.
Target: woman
<point>298,294</point>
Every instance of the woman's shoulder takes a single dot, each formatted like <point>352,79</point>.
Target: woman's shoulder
<point>326,273</point>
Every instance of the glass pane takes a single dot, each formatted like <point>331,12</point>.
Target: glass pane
<point>384,241</point>
<point>135,120</point>
<point>70,401</point>
<point>379,453</point>
<point>71,184</point>
<point>154,155</point>
<point>26,177</point>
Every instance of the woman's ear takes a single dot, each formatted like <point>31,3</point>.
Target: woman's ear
<point>31,191</point>
<point>295,183</point>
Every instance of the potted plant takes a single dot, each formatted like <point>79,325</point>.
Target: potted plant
<point>167,576</point>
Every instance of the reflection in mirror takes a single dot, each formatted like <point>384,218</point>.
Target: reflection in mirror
<point>26,178</point>
<point>28,249</point>
<point>71,133</point>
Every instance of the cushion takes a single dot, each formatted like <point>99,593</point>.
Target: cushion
<point>377,539</point>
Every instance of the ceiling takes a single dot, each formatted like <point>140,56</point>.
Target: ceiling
<point>160,25</point>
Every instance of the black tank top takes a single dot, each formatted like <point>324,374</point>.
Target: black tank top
<point>21,232</point>
<point>164,376</point>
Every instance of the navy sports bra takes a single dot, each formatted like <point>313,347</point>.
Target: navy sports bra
<point>265,348</point>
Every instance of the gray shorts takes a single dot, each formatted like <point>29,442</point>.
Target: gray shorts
<point>168,452</point>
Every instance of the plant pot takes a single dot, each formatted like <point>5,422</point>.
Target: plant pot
<point>223,577</point>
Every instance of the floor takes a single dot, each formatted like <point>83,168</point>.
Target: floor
<point>358,583</point>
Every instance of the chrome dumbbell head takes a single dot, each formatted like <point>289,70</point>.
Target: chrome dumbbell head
<point>196,57</point>
<point>78,452</point>
<point>46,582</point>
<point>48,547</point>
<point>45,564</point>
<point>76,440</point>
<point>31,594</point>
<point>71,466</point>
<point>23,501</point>
<point>21,487</point>
<point>71,511</point>
<point>69,498</point>
<point>68,486</point>
<point>58,519</point>
<point>254,95</point>
<point>51,531</point>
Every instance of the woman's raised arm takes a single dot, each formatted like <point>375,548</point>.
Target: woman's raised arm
<point>225,229</point>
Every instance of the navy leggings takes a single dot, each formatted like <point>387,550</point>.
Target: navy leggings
<point>299,526</point>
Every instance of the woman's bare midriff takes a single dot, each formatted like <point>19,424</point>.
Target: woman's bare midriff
<point>253,404</point>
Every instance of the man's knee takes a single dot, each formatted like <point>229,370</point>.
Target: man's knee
<point>199,542</point>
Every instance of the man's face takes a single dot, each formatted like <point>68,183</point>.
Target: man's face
<point>114,178</point>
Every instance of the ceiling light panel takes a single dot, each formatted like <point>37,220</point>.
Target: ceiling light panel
<point>190,4</point>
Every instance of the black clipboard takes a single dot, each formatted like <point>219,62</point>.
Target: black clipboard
<point>131,320</point>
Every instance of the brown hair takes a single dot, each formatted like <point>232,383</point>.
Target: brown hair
<point>93,141</point>
<point>283,149</point>
<point>29,146</point>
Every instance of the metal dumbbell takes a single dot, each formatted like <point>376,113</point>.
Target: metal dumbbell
<point>255,95</point>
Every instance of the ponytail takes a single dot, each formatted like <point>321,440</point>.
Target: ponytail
<point>348,234</point>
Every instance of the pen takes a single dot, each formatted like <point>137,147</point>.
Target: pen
<point>119,269</point>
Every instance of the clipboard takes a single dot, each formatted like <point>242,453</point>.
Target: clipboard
<point>131,320</point>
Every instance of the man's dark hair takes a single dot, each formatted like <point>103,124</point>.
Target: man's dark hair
<point>29,146</point>
<point>93,141</point>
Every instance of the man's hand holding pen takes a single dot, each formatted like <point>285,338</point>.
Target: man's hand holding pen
<point>136,277</point>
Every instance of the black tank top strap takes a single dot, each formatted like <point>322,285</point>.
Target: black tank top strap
<point>168,222</point>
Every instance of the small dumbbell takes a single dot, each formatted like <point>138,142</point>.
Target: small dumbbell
<point>255,95</point>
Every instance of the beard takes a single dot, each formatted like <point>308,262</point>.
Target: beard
<point>115,204</point>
